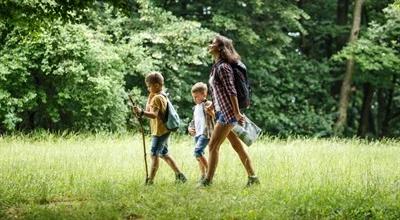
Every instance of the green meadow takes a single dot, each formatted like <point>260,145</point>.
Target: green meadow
<point>102,177</point>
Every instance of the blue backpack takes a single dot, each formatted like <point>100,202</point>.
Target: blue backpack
<point>171,119</point>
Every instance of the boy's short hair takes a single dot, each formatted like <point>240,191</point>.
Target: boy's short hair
<point>154,77</point>
<point>199,87</point>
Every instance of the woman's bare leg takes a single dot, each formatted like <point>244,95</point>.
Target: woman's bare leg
<point>217,138</point>
<point>241,151</point>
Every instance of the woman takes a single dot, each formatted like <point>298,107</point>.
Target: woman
<point>225,104</point>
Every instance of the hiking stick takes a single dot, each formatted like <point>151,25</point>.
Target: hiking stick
<point>143,139</point>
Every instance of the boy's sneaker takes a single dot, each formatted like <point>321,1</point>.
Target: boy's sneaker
<point>180,178</point>
<point>149,182</point>
<point>204,183</point>
<point>253,180</point>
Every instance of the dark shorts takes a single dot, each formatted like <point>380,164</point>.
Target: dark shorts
<point>159,145</point>
<point>201,142</point>
<point>220,118</point>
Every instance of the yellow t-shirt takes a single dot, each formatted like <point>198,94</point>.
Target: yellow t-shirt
<point>157,125</point>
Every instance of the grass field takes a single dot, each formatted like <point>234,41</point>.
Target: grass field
<point>101,177</point>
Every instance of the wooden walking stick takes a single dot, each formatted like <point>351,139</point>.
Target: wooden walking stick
<point>143,139</point>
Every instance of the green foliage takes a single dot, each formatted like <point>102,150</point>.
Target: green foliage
<point>158,41</point>
<point>68,65</point>
<point>378,51</point>
<point>260,32</point>
<point>377,54</point>
<point>62,76</point>
<point>287,110</point>
<point>397,4</point>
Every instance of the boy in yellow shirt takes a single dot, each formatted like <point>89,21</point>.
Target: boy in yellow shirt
<point>156,111</point>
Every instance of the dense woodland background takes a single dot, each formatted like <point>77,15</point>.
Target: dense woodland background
<point>69,65</point>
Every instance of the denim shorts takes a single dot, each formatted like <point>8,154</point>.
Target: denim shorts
<point>220,118</point>
<point>159,145</point>
<point>201,142</point>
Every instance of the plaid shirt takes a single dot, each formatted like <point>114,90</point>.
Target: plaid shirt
<point>222,88</point>
<point>209,121</point>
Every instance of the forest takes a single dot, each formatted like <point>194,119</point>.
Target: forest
<point>317,68</point>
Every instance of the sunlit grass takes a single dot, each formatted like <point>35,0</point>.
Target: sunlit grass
<point>102,176</point>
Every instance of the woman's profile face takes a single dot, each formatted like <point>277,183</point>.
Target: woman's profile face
<point>213,47</point>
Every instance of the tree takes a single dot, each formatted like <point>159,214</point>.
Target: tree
<point>377,54</point>
<point>73,73</point>
<point>347,80</point>
<point>69,64</point>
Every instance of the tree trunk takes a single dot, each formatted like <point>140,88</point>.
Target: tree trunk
<point>342,12</point>
<point>388,114</point>
<point>346,85</point>
<point>385,115</point>
<point>364,126</point>
<point>381,110</point>
<point>384,111</point>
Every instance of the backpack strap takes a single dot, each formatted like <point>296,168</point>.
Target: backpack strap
<point>165,97</point>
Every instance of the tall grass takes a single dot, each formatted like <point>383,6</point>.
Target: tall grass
<point>101,177</point>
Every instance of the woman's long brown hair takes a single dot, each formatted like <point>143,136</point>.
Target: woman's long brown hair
<point>226,49</point>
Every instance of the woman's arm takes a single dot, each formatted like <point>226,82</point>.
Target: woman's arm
<point>236,110</point>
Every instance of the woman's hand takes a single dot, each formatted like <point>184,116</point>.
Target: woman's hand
<point>240,118</point>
